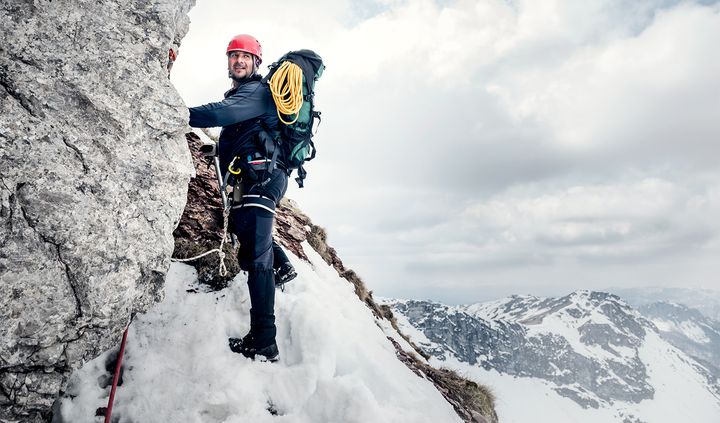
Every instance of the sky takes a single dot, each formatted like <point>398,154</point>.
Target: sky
<point>471,150</point>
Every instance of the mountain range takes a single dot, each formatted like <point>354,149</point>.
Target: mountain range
<point>590,355</point>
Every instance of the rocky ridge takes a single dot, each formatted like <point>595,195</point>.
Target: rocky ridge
<point>93,175</point>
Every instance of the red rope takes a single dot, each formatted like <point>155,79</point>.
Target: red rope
<point>116,377</point>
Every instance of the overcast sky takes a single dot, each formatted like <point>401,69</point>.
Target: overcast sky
<point>475,149</point>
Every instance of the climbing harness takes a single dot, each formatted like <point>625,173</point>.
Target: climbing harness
<point>286,86</point>
<point>254,200</point>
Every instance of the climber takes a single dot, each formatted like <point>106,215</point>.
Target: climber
<point>249,121</point>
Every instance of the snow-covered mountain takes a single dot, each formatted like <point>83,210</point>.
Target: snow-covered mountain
<point>587,356</point>
<point>689,330</point>
<point>706,301</point>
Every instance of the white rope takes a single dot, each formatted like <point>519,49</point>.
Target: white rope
<point>221,268</point>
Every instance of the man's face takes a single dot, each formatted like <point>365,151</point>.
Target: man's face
<point>240,65</point>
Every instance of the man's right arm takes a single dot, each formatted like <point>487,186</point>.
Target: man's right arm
<point>246,103</point>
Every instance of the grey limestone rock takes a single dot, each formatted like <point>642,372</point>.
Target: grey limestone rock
<point>93,174</point>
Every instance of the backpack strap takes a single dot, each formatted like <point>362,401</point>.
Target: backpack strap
<point>302,173</point>
<point>277,140</point>
<point>315,114</point>
<point>312,155</point>
<point>273,163</point>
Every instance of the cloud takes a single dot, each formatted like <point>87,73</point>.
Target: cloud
<point>631,220</point>
<point>652,93</point>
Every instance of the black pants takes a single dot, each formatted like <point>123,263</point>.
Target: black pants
<point>253,227</point>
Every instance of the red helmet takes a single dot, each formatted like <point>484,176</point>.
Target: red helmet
<point>246,43</point>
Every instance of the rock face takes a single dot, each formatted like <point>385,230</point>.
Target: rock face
<point>93,175</point>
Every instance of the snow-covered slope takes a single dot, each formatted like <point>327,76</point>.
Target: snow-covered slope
<point>690,331</point>
<point>336,363</point>
<point>584,357</point>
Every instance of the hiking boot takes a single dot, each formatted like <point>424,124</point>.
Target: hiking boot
<point>237,343</point>
<point>285,274</point>
<point>269,353</point>
<point>245,347</point>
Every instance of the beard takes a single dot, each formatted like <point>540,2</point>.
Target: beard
<point>236,78</point>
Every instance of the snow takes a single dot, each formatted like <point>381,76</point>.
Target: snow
<point>559,322</point>
<point>523,400</point>
<point>567,327</point>
<point>336,364</point>
<point>690,329</point>
<point>390,331</point>
<point>496,309</point>
<point>680,395</point>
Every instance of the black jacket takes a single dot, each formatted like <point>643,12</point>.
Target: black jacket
<point>245,111</point>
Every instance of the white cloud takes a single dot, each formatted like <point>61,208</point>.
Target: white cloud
<point>648,198</point>
<point>653,89</point>
<point>643,218</point>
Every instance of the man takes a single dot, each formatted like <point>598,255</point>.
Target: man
<point>249,121</point>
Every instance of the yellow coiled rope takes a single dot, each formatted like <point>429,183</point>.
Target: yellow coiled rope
<point>287,90</point>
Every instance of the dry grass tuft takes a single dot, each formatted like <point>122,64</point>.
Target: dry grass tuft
<point>475,398</point>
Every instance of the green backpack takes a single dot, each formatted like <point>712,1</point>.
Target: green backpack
<point>292,83</point>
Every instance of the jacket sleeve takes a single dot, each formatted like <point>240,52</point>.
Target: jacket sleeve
<point>247,103</point>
